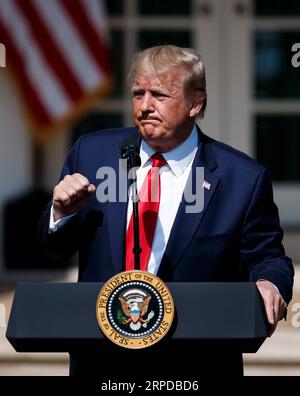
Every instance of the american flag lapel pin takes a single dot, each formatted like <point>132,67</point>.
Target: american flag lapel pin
<point>206,185</point>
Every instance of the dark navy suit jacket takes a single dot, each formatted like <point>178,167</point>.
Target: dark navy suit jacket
<point>235,237</point>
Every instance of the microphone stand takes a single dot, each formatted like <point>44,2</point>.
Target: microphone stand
<point>130,152</point>
<point>136,228</point>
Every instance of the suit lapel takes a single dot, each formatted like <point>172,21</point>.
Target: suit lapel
<point>186,224</point>
<point>117,213</point>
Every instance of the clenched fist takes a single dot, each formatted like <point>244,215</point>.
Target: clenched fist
<point>70,195</point>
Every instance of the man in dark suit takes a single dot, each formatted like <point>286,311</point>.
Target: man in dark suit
<point>235,236</point>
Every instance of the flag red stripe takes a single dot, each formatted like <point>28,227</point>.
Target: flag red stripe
<point>50,50</point>
<point>91,37</point>
<point>55,66</point>
<point>14,59</point>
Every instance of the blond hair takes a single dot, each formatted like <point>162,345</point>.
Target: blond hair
<point>161,59</point>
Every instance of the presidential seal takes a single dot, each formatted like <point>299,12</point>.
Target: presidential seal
<point>135,309</point>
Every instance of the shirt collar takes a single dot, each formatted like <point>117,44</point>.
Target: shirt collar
<point>178,158</point>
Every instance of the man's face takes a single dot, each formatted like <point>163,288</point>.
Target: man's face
<point>162,114</point>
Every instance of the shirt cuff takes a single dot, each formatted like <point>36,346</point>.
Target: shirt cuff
<point>56,225</point>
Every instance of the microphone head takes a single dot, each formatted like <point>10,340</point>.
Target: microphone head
<point>130,150</point>
<point>128,146</point>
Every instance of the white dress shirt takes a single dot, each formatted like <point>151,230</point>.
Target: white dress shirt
<point>173,178</point>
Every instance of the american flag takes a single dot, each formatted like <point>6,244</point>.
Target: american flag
<point>58,53</point>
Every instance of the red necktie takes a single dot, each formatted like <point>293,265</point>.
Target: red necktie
<point>149,198</point>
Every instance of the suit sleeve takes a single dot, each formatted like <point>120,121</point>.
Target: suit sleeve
<point>64,242</point>
<point>262,252</point>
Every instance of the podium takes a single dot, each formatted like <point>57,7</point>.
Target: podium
<point>211,319</point>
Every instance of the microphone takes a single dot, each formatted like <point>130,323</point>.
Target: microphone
<point>130,151</point>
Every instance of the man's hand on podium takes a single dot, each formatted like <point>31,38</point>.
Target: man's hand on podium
<point>274,303</point>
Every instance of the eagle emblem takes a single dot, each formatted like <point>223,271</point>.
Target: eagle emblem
<point>135,304</point>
